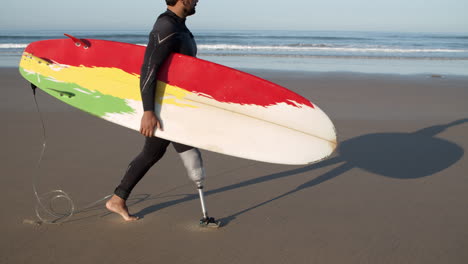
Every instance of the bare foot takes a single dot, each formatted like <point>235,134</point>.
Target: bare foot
<point>117,205</point>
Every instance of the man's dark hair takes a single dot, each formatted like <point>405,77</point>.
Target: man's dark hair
<point>171,2</point>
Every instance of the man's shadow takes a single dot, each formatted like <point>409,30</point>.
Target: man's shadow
<point>396,155</point>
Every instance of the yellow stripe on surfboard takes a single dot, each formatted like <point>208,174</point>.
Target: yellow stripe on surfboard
<point>109,81</point>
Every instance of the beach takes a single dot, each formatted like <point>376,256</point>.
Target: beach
<point>394,192</point>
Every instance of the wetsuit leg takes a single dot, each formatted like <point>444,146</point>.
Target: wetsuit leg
<point>153,150</point>
<point>191,157</point>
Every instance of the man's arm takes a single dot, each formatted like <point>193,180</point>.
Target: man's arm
<point>161,44</point>
<point>159,48</point>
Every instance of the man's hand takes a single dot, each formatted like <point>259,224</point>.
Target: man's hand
<point>149,122</point>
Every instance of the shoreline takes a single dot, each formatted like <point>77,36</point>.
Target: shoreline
<point>349,64</point>
<point>391,66</point>
<point>303,73</point>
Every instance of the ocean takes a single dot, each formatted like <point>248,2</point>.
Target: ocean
<point>310,51</point>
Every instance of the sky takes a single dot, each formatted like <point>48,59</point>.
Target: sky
<point>445,16</point>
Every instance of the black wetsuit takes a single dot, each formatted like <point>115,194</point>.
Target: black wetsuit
<point>169,35</point>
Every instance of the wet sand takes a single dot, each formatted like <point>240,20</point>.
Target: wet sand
<point>395,192</point>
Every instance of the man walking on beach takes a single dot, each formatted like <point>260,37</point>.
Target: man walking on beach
<point>169,35</point>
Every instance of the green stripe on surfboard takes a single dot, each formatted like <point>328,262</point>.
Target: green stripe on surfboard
<point>89,101</point>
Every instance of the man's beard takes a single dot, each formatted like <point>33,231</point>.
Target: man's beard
<point>188,11</point>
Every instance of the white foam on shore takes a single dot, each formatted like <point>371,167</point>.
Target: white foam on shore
<point>13,46</point>
<point>320,47</point>
<point>360,65</point>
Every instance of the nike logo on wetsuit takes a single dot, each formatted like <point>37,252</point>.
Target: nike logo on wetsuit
<point>164,39</point>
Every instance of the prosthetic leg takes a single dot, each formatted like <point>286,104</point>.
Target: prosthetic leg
<point>194,165</point>
<point>206,221</point>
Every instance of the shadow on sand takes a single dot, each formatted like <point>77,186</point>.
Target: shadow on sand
<point>396,155</point>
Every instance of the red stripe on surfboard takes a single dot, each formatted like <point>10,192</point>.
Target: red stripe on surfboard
<point>225,84</point>
<point>100,53</point>
<point>194,75</point>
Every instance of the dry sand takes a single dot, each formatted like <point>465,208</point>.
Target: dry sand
<point>396,192</point>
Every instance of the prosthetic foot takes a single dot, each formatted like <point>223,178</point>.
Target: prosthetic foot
<point>209,222</point>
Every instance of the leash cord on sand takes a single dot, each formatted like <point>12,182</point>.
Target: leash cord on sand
<point>44,207</point>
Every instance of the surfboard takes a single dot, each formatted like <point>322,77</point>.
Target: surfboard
<point>200,103</point>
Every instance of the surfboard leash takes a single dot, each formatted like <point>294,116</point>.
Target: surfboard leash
<point>44,202</point>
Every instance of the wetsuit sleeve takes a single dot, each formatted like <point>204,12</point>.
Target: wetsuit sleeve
<point>162,42</point>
